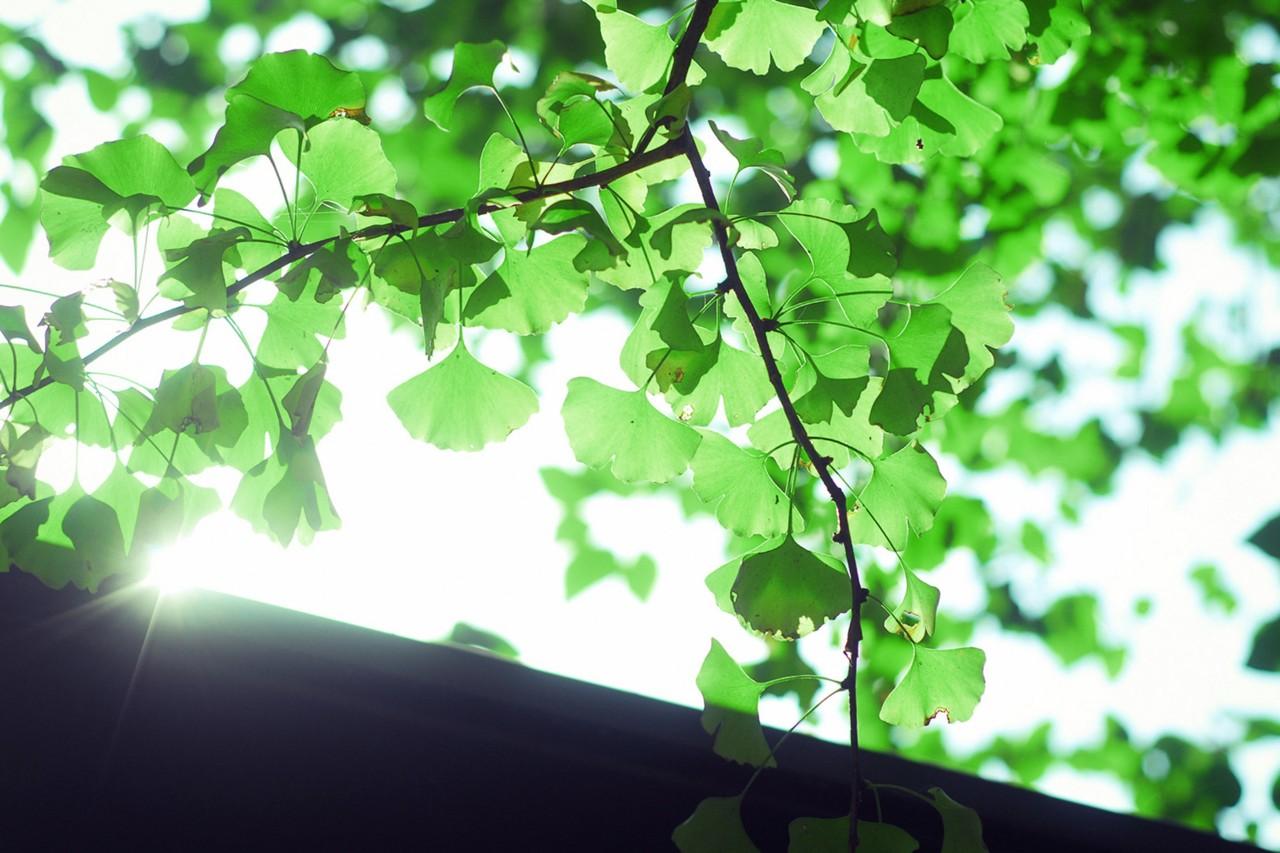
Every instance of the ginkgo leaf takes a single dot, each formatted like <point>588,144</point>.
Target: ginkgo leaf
<point>461,404</point>
<point>744,485</point>
<point>293,90</point>
<point>870,100</point>
<point>344,159</point>
<point>831,835</point>
<point>621,429</point>
<point>1055,25</point>
<point>930,28</point>
<point>752,154</point>
<point>902,497</point>
<point>943,120</point>
<point>961,825</point>
<point>735,378</point>
<point>947,682</point>
<point>300,402</point>
<point>978,309</point>
<point>280,493</point>
<point>988,29</point>
<point>473,65</point>
<point>749,33</point>
<point>199,268</point>
<point>731,700</point>
<point>916,615</point>
<point>636,51</point>
<point>787,591</point>
<point>714,827</point>
<point>532,290</point>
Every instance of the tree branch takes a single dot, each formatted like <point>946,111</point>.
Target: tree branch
<point>821,464</point>
<point>682,59</point>
<point>298,251</point>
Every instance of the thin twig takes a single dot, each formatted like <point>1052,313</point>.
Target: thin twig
<point>298,251</point>
<point>681,60</point>
<point>821,464</point>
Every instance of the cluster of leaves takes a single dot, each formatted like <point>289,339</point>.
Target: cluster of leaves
<point>876,309</point>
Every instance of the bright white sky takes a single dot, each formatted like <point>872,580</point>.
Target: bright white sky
<point>431,538</point>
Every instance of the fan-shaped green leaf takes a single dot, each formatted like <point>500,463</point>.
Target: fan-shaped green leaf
<point>916,615</point>
<point>788,591</point>
<point>473,65</point>
<point>621,429</point>
<point>343,159</point>
<point>637,52</point>
<point>748,33</point>
<point>744,486</point>
<point>988,29</point>
<point>904,493</point>
<point>293,90</point>
<point>961,826</point>
<point>731,701</point>
<point>461,404</point>
<point>938,681</point>
<point>532,290</point>
<point>715,827</point>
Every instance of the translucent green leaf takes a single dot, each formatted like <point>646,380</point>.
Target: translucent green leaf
<point>473,65</point>
<point>75,229</point>
<point>749,33</point>
<point>641,268</point>
<point>978,309</point>
<point>344,159</point>
<point>871,100</point>
<point>199,269</point>
<point>94,531</point>
<point>138,167</point>
<point>460,404</point>
<point>988,29</point>
<point>942,120</point>
<point>66,318</point>
<point>574,214</point>
<point>300,402</point>
<point>787,591</point>
<point>13,325</point>
<point>961,826</point>
<point>298,320</point>
<point>904,493</point>
<point>743,485</point>
<point>621,429</point>
<point>294,90</point>
<point>715,827</point>
<point>735,378</point>
<point>916,615</point>
<point>532,290</point>
<point>79,197</point>
<point>637,52</point>
<point>930,28</point>
<point>731,700</point>
<point>938,681</point>
<point>1055,25</point>
<point>280,493</point>
<point>571,110</point>
<point>751,154</point>
<point>324,272</point>
<point>831,835</point>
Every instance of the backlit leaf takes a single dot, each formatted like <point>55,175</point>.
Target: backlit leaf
<point>461,404</point>
<point>715,827</point>
<point>939,682</point>
<point>473,65</point>
<point>904,493</point>
<point>749,33</point>
<point>731,701</point>
<point>787,591</point>
<point>621,429</point>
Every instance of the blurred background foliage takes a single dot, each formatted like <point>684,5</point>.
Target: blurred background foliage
<point>1167,112</point>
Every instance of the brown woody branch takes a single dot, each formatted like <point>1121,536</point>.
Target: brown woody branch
<point>821,464</point>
